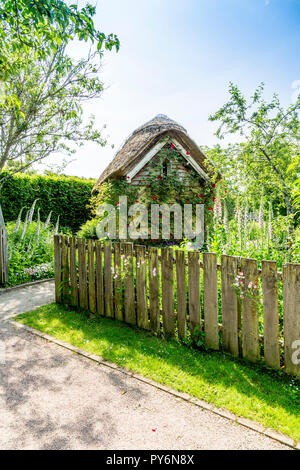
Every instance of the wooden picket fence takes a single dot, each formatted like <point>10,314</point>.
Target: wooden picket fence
<point>3,257</point>
<point>142,288</point>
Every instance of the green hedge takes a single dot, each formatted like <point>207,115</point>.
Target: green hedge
<point>66,196</point>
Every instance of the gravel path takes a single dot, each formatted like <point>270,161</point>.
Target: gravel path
<point>51,398</point>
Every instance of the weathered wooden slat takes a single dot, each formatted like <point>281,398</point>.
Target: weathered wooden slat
<point>181,293</point>
<point>129,297</point>
<point>154,290</point>
<point>73,273</point>
<point>82,263</point>
<point>57,268</point>
<point>271,315</point>
<point>211,300</point>
<point>99,279</point>
<point>141,284</point>
<point>65,270</point>
<point>92,277</point>
<point>167,291</point>
<point>291,318</point>
<point>250,333</point>
<point>194,291</point>
<point>108,276</point>
<point>230,310</point>
<point>118,282</point>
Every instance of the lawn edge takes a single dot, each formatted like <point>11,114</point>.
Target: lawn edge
<point>5,290</point>
<point>245,422</point>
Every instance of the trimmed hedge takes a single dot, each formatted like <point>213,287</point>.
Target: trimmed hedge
<point>66,196</point>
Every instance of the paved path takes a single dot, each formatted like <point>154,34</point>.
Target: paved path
<point>24,299</point>
<point>51,398</point>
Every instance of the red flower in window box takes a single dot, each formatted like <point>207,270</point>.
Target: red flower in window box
<point>172,146</point>
<point>211,209</point>
<point>159,177</point>
<point>202,195</point>
<point>188,153</point>
<point>137,201</point>
<point>153,198</point>
<point>187,202</point>
<point>214,199</point>
<point>214,185</point>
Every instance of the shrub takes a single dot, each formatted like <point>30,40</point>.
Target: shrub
<point>30,248</point>
<point>65,196</point>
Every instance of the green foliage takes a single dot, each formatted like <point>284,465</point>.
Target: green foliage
<point>31,247</point>
<point>66,197</point>
<point>255,233</point>
<point>41,109</point>
<point>267,161</point>
<point>163,184</point>
<point>42,26</point>
<point>30,255</point>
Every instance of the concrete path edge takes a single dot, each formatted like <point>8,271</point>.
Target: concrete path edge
<point>271,433</point>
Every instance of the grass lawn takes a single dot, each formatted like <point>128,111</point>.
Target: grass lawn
<point>252,391</point>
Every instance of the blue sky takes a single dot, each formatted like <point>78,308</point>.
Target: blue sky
<point>178,57</point>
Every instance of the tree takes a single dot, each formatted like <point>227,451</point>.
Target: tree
<point>269,156</point>
<point>44,25</point>
<point>45,114</point>
<point>42,89</point>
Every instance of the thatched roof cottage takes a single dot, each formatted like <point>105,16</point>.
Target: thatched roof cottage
<point>132,161</point>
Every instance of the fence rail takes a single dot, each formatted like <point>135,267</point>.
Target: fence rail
<point>189,296</point>
<point>3,257</point>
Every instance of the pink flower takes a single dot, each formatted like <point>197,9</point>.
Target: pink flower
<point>172,147</point>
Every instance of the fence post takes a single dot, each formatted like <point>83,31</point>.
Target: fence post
<point>167,291</point>
<point>92,277</point>
<point>230,311</point>
<point>181,293</point>
<point>141,283</point>
<point>271,315</point>
<point>83,291</point>
<point>211,326</point>
<point>73,272</point>
<point>65,269</point>
<point>129,298</point>
<point>154,290</point>
<point>194,290</point>
<point>108,284</point>
<point>118,282</point>
<point>291,317</point>
<point>99,279</point>
<point>57,268</point>
<point>250,312</point>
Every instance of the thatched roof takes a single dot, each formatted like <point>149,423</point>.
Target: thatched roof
<point>143,139</point>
